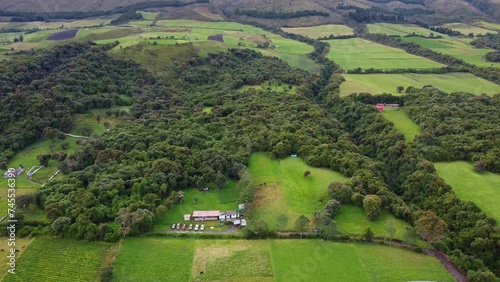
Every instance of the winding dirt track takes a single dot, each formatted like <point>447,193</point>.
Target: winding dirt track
<point>455,272</point>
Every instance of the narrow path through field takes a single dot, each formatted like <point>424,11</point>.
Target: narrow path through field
<point>455,272</point>
<point>76,136</point>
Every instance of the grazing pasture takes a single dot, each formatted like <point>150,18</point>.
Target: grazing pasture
<point>481,188</point>
<point>283,189</point>
<point>387,83</point>
<point>50,259</point>
<point>22,245</point>
<point>466,29</point>
<point>140,259</point>
<point>399,29</point>
<point>320,30</point>
<point>63,35</point>
<point>97,120</point>
<point>488,25</point>
<point>402,122</point>
<point>355,53</point>
<point>456,47</point>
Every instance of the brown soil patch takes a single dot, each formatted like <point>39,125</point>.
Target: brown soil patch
<point>204,11</point>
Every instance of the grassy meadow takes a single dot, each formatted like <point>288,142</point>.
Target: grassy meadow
<point>456,47</point>
<point>466,29</point>
<point>21,245</point>
<point>481,188</point>
<point>320,30</point>
<point>387,83</point>
<point>270,260</point>
<point>90,120</point>
<point>214,199</point>
<point>48,259</point>
<point>488,25</point>
<point>399,29</point>
<point>402,123</point>
<point>356,52</point>
<point>283,189</point>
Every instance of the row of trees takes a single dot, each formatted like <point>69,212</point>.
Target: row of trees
<point>279,15</point>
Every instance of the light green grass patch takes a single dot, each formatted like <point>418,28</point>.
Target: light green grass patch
<point>481,188</point>
<point>466,29</point>
<point>320,30</point>
<point>399,29</point>
<point>283,189</point>
<point>208,110</point>
<point>90,120</point>
<point>356,52</point>
<point>402,123</point>
<point>215,199</point>
<point>314,260</point>
<point>488,25</point>
<point>276,87</point>
<point>456,47</point>
<point>154,259</point>
<point>387,83</point>
<point>22,245</point>
<point>61,260</point>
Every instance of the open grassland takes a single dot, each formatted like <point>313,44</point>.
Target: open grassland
<point>488,25</point>
<point>314,260</point>
<point>141,259</point>
<point>481,188</point>
<point>21,245</point>
<point>402,122</point>
<point>466,29</point>
<point>215,199</point>
<point>153,259</point>
<point>320,30</point>
<point>387,83</point>
<point>399,29</point>
<point>283,189</point>
<point>360,53</point>
<point>455,47</point>
<point>96,120</point>
<point>48,259</point>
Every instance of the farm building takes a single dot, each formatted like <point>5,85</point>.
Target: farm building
<point>381,106</point>
<point>15,172</point>
<point>229,215</point>
<point>187,217</point>
<point>206,215</point>
<point>240,222</point>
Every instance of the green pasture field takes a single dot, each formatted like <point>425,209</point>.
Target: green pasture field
<point>21,245</point>
<point>488,25</point>
<point>399,29</point>
<point>149,15</point>
<point>50,259</point>
<point>314,260</point>
<point>481,188</point>
<point>208,110</point>
<point>402,123</point>
<point>279,88</point>
<point>456,47</point>
<point>154,259</point>
<point>320,30</point>
<point>356,52</point>
<point>140,259</point>
<point>89,120</point>
<point>387,83</point>
<point>283,189</point>
<point>352,220</point>
<point>466,29</point>
<point>215,199</point>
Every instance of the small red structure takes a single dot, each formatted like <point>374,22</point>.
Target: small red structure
<point>381,106</point>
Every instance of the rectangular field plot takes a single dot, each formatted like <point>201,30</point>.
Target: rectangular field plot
<point>388,83</point>
<point>402,122</point>
<point>314,260</point>
<point>399,29</point>
<point>47,259</point>
<point>481,188</point>
<point>360,53</point>
<point>458,48</point>
<point>320,30</point>
<point>466,29</point>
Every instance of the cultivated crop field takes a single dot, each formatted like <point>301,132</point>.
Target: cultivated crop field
<point>48,259</point>
<point>21,245</point>
<point>360,53</point>
<point>402,123</point>
<point>481,188</point>
<point>140,259</point>
<point>320,30</point>
<point>399,29</point>
<point>284,189</point>
<point>455,47</point>
<point>387,83</point>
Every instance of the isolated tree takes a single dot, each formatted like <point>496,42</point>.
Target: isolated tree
<point>368,234</point>
<point>390,228</point>
<point>302,223</point>
<point>195,200</point>
<point>429,226</point>
<point>65,145</point>
<point>400,89</point>
<point>307,173</point>
<point>98,118</point>
<point>371,204</point>
<point>281,222</point>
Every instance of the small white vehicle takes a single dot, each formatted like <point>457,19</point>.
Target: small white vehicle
<point>178,226</point>
<point>202,227</point>
<point>174,225</point>
<point>196,227</point>
<point>191,226</point>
